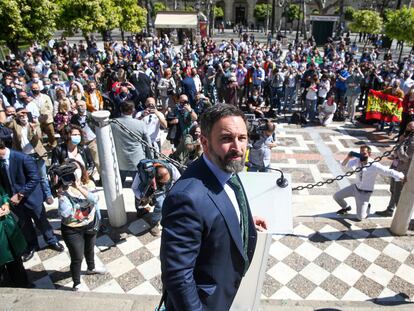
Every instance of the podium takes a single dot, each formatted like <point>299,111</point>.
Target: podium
<point>273,203</point>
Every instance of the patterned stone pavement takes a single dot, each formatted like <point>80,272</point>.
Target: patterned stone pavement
<point>327,258</point>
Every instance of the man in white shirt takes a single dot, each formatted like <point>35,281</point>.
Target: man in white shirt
<point>154,121</point>
<point>364,186</point>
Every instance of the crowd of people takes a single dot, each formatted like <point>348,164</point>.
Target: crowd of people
<point>47,95</point>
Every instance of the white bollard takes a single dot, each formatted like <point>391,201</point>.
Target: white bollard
<point>405,206</point>
<point>111,180</point>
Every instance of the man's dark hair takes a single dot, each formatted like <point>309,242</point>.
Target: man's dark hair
<point>2,144</point>
<point>213,114</point>
<point>127,107</point>
<point>365,147</point>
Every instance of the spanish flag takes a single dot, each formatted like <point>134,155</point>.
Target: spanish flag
<point>384,107</point>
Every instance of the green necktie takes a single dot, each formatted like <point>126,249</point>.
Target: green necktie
<point>237,187</point>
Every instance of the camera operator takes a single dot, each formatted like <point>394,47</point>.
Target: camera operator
<point>262,140</point>
<point>79,212</point>
<point>154,120</point>
<point>150,186</point>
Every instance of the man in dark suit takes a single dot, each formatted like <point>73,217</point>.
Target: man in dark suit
<point>20,177</point>
<point>209,235</point>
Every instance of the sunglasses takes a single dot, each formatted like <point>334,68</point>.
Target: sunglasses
<point>184,102</point>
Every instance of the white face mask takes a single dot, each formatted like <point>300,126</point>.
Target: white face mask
<point>24,120</point>
<point>78,174</point>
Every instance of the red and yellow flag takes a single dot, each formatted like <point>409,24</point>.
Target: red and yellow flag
<point>384,107</point>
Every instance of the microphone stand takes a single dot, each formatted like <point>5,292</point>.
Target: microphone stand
<point>281,182</point>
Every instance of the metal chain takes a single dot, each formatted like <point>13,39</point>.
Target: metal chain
<point>148,145</point>
<point>308,186</point>
<point>358,169</point>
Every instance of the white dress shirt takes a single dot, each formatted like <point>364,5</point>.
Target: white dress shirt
<point>366,177</point>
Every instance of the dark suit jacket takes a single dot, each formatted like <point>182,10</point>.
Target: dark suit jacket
<point>201,247</point>
<point>25,179</point>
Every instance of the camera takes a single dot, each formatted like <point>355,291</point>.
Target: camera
<point>62,175</point>
<point>256,128</point>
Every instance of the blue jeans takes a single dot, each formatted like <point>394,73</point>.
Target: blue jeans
<point>311,109</point>
<point>290,97</point>
<point>44,182</point>
<point>277,96</point>
<point>158,200</point>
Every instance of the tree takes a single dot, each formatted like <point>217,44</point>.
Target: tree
<point>323,8</point>
<point>366,21</point>
<point>292,13</point>
<point>218,12</point>
<point>349,13</point>
<point>27,20</point>
<point>89,16</point>
<point>399,25</point>
<point>158,6</point>
<point>133,17</point>
<point>261,11</point>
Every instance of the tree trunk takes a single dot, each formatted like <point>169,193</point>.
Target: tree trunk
<point>305,35</point>
<point>402,47</point>
<point>122,34</point>
<point>14,47</point>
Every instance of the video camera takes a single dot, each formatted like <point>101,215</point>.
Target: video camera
<point>256,126</point>
<point>62,175</point>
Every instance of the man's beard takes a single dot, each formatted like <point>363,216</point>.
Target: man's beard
<point>227,165</point>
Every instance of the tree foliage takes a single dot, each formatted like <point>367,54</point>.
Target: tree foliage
<point>349,13</point>
<point>366,21</point>
<point>218,11</point>
<point>132,17</point>
<point>261,11</point>
<point>157,7</point>
<point>292,13</point>
<point>27,20</point>
<point>399,24</point>
<point>88,16</point>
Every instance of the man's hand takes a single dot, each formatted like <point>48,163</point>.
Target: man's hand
<point>260,224</point>
<point>4,209</point>
<point>15,199</point>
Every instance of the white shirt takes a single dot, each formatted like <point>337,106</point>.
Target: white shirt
<point>223,178</point>
<point>366,178</point>
<point>152,124</point>
<point>26,146</point>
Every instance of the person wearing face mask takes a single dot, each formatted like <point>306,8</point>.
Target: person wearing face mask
<point>84,121</point>
<point>152,182</point>
<point>363,188</point>
<point>27,138</point>
<point>80,218</point>
<point>255,104</point>
<point>73,148</point>
<point>45,106</point>
<point>93,98</point>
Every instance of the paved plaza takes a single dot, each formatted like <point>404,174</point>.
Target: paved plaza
<point>328,257</point>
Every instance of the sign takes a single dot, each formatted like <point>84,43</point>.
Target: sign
<point>384,107</point>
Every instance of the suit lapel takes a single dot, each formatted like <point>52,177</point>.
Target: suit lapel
<point>11,169</point>
<point>221,200</point>
<point>226,209</point>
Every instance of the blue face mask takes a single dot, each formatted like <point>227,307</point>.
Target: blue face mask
<point>76,139</point>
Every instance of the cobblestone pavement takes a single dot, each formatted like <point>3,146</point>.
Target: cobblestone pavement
<point>328,257</point>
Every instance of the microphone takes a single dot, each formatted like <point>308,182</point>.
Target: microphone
<point>282,182</point>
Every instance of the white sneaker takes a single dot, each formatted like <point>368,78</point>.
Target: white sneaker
<point>100,270</point>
